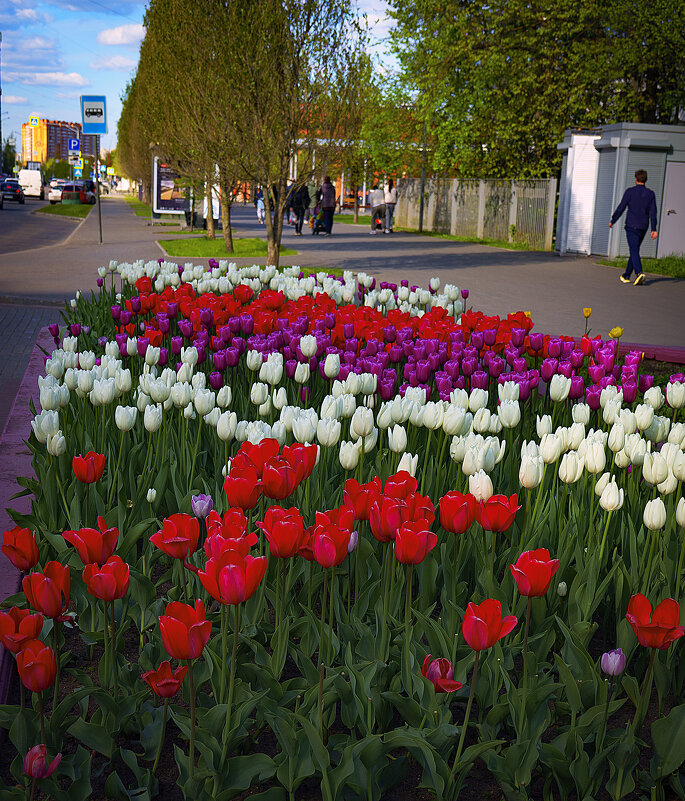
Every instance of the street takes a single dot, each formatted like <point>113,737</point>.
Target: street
<point>21,230</point>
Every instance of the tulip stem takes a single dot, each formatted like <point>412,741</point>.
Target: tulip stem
<point>224,647</point>
<point>231,683</point>
<point>525,645</point>
<point>42,716</point>
<point>425,462</point>
<point>322,669</point>
<point>604,538</point>
<point>87,497</point>
<point>678,574</point>
<point>195,449</point>
<point>603,730</point>
<point>639,714</point>
<point>323,616</point>
<point>407,625</point>
<point>467,715</point>
<point>33,790</point>
<point>191,754</point>
<point>115,675</point>
<point>329,641</point>
<point>161,737</point>
<point>110,496</point>
<point>309,586</point>
<point>55,641</point>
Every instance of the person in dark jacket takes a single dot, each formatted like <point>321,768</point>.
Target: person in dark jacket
<point>641,203</point>
<point>300,205</point>
<point>327,204</point>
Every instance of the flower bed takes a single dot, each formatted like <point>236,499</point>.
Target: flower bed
<point>327,539</point>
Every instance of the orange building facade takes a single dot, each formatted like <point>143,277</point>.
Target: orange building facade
<point>50,140</point>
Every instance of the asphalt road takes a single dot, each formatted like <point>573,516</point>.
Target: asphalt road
<point>22,230</point>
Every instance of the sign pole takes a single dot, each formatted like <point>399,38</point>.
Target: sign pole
<point>97,185</point>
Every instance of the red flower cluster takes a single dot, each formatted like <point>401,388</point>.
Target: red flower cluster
<point>49,591</point>
<point>17,627</point>
<point>400,503</point>
<point>179,535</point>
<point>658,629</point>
<point>93,546</point>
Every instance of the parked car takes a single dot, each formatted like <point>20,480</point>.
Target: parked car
<point>85,192</point>
<point>32,183</point>
<point>55,193</point>
<point>12,191</point>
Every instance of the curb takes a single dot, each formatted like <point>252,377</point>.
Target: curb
<point>16,300</point>
<point>15,459</point>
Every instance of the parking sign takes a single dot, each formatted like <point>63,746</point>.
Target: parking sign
<point>74,145</point>
<point>94,114</point>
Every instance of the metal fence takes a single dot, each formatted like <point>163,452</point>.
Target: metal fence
<point>514,211</point>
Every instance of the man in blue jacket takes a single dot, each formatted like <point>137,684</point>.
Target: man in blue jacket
<point>641,203</point>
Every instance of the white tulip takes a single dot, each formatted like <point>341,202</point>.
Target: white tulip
<point>259,393</point>
<point>56,444</point>
<point>595,457</point>
<point>353,384</point>
<point>199,381</point>
<point>611,498</point>
<point>454,420</point>
<point>622,459</point>
<point>654,397</point>
<point>481,420</point>
<point>152,418</point>
<point>204,401</point>
<point>362,422</point>
<point>668,485</point>
<point>509,413</point>
<point>302,373</point>
<point>601,483</point>
<point>71,378</point>
<point>85,380</point>
<point>478,400</point>
<point>543,425</point>
<point>132,346</point>
<point>654,468</point>
<point>675,393</point>
<point>125,417</point>
<point>458,449</point>
<point>159,390</point>
<point>189,355</point>
<point>654,516</point>
<point>571,467</point>
<point>304,427</point>
<point>680,513</point>
<point>189,412</point>
<point>617,437</point>
<point>265,409</point>
<point>279,398</point>
<point>433,415</point>
<point>644,415</point>
<point>509,390</point>
<point>185,374</point>
<point>308,345</point>
<point>55,367</point>
<point>384,418</point>
<point>677,434</point>
<point>550,448</point>
<point>530,472</point>
<point>254,360</point>
<point>349,455</point>
<point>580,412</point>
<point>368,383</point>
<point>181,394</point>
<point>152,355</point>
<point>226,425</point>
<point>328,431</point>
<point>480,486</point>
<point>460,397</point>
<point>559,387</point>
<point>628,421</point>
<point>151,495</point>
<point>659,429</point>
<point>397,439</point>
<point>330,407</point>
<point>102,393</point>
<point>279,433</point>
<point>224,397</point>
<point>45,424</point>
<point>408,462</point>
<point>610,393</point>
<point>611,411</point>
<point>574,435</point>
<point>331,366</point>
<point>678,466</point>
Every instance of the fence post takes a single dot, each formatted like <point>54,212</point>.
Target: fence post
<point>513,202</point>
<point>481,209</point>
<point>551,204</point>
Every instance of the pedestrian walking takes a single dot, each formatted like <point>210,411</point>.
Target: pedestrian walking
<point>327,204</point>
<point>300,205</point>
<point>377,206</point>
<point>390,201</point>
<point>259,205</point>
<point>641,204</point>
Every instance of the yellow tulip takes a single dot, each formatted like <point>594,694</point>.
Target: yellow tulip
<point>616,332</point>
<point>587,311</point>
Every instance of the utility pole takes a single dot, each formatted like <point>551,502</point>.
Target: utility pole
<point>423,177</point>
<point>1,98</point>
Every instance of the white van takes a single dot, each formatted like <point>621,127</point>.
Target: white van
<point>32,183</point>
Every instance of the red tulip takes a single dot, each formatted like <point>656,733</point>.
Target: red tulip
<point>243,487</point>
<point>483,624</point>
<point>232,578</point>
<point>330,545</point>
<point>279,479</point>
<point>179,535</point>
<point>284,529</point>
<point>420,508</point>
<point>48,592</point>
<point>108,582</point>
<point>400,485</point>
<point>19,546</point>
<point>164,681</point>
<point>533,572</point>
<point>185,629</point>
<point>360,497</point>
<point>342,517</point>
<point>302,458</point>
<point>88,468</point>
<point>658,629</point>
<point>256,456</point>
<point>413,542</point>
<point>93,546</point>
<point>36,763</point>
<point>306,549</point>
<point>386,516</point>
<point>216,544</point>
<point>441,674</point>
<point>18,626</point>
<point>497,513</point>
<point>37,666</point>
<point>456,512</point>
<point>232,526</point>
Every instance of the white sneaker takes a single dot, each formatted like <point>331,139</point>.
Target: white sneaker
<point>372,233</point>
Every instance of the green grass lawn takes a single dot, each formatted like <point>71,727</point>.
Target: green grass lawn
<point>363,219</point>
<point>78,211</point>
<point>216,248</point>
<point>673,266</point>
<point>145,210</point>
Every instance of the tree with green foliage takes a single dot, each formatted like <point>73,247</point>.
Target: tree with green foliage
<point>499,83</point>
<point>9,156</point>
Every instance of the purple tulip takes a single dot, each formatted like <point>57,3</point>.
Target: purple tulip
<point>201,505</point>
<point>163,323</point>
<point>142,344</point>
<point>215,380</point>
<point>677,377</point>
<point>219,359</point>
<point>548,368</point>
<point>232,357</point>
<point>577,387</point>
<point>576,357</point>
<point>100,282</point>
<point>186,328</point>
<point>518,336</point>
<point>135,304</point>
<point>468,366</point>
<point>629,390</point>
<point>592,396</point>
<point>75,329</point>
<point>125,317</point>
<point>102,341</point>
<point>520,364</point>
<point>496,366</point>
<point>554,347</point>
<point>596,372</point>
<point>171,309</point>
<point>480,380</point>
<point>464,293</point>
<point>477,339</point>
<point>565,368</point>
<point>537,341</point>
<point>613,662</point>
<point>176,345</point>
<point>163,356</point>
<point>116,313</point>
<point>646,382</point>
<point>207,317</point>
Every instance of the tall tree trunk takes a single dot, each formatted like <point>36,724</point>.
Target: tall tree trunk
<point>356,203</point>
<point>210,209</point>
<point>274,224</point>
<point>226,202</point>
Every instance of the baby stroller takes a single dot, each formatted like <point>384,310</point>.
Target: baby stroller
<point>317,221</point>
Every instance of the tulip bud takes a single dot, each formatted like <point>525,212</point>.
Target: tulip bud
<point>478,399</point>
<point>559,387</point>
<point>613,662</point>
<point>611,498</point>
<point>581,413</point>
<point>531,472</point>
<point>302,373</point>
<point>562,589</point>
<point>654,468</point>
<point>668,485</point>
<point>654,397</point>
<point>595,457</point>
<point>328,431</point>
<point>349,455</point>
<point>543,425</point>
<point>480,486</point>
<point>125,417</point>
<point>601,483</point>
<point>332,365</point>
<point>509,413</point>
<point>152,418</point>
<point>259,393</point>
<point>56,444</point>
<point>550,448</point>
<point>362,422</point>
<point>654,516</point>
<point>675,394</point>
<point>224,397</point>
<point>151,495</point>
<point>397,439</point>
<point>644,415</point>
<point>308,345</point>
<point>571,467</point>
<point>680,513</point>
<point>408,463</point>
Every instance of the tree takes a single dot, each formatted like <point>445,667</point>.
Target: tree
<point>9,156</point>
<point>500,82</point>
<point>133,140</point>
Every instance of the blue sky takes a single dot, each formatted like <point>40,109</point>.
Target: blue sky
<point>53,51</point>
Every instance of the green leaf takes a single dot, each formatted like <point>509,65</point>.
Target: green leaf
<point>668,735</point>
<point>93,736</point>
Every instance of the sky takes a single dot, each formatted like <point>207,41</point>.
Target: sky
<point>53,51</point>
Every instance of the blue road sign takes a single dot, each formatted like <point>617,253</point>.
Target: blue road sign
<point>94,114</point>
<point>78,173</point>
<point>75,145</point>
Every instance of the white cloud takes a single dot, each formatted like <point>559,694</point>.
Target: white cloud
<point>46,78</point>
<point>122,35</point>
<point>38,43</point>
<point>15,100</point>
<point>114,63</point>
